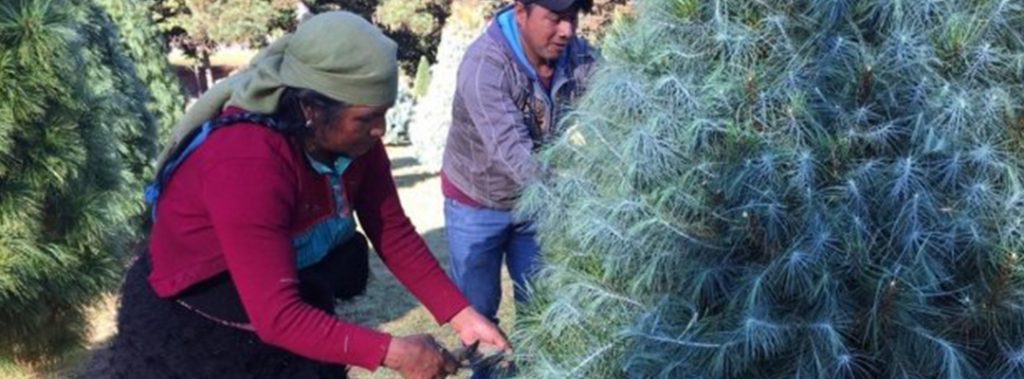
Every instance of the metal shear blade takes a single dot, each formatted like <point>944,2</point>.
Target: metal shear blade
<point>471,357</point>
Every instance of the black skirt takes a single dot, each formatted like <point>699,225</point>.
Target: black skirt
<point>159,338</point>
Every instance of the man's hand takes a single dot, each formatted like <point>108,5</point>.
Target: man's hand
<point>473,327</point>
<point>419,357</point>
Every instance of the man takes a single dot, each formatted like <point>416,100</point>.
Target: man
<point>514,83</point>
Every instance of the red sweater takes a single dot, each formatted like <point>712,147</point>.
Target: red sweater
<point>235,204</point>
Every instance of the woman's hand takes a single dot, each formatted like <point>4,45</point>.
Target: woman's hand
<point>419,357</point>
<point>473,326</point>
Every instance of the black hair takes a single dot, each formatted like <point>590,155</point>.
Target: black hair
<point>290,117</point>
<point>586,6</point>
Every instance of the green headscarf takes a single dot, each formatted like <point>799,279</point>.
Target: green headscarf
<point>338,54</point>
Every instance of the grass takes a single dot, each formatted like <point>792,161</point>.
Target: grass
<point>387,306</point>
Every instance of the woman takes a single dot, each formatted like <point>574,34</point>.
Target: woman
<point>253,237</point>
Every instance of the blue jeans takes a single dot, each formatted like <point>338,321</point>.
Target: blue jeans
<point>479,239</point>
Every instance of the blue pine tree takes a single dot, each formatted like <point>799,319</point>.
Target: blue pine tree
<point>789,189</point>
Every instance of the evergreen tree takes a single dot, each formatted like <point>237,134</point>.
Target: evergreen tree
<point>789,189</point>
<point>75,141</point>
<point>399,116</point>
<point>422,81</point>
<point>146,47</point>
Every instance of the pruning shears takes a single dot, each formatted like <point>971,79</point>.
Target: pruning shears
<point>470,357</point>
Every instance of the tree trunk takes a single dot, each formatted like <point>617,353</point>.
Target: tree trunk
<point>196,74</point>
<point>206,67</point>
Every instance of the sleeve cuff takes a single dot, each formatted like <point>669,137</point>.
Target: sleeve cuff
<point>372,347</point>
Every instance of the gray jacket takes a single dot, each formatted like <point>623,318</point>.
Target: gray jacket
<point>501,115</point>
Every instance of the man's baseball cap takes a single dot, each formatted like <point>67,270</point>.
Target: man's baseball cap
<point>559,6</point>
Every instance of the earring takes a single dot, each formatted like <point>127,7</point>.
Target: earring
<point>309,124</point>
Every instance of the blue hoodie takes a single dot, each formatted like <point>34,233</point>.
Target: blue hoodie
<point>502,113</point>
<point>510,29</point>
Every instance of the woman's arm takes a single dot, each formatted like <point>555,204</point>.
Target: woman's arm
<point>249,193</point>
<point>408,257</point>
<point>401,248</point>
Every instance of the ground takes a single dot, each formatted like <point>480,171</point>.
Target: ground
<point>386,306</point>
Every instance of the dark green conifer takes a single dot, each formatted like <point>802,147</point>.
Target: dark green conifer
<point>75,141</point>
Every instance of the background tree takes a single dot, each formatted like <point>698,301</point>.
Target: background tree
<point>422,81</point>
<point>594,25</point>
<point>75,141</point>
<point>789,189</point>
<point>415,25</point>
<point>199,27</point>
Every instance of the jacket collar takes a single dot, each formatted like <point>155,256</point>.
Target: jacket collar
<point>505,31</point>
